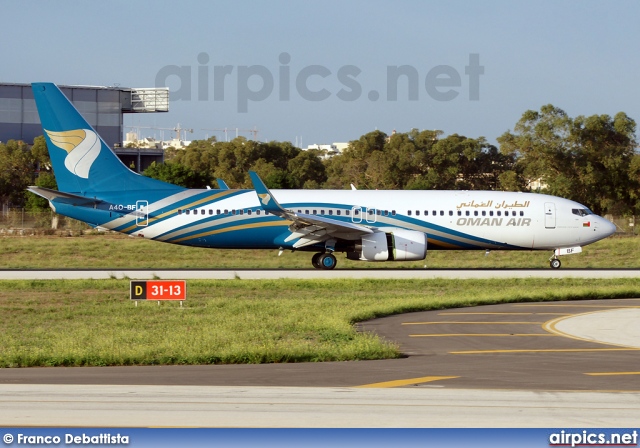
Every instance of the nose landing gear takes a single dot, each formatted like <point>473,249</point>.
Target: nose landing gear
<point>555,263</point>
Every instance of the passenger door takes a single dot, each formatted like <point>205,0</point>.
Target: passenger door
<point>550,215</point>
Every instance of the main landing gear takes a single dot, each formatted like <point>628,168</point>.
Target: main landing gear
<point>555,263</point>
<point>323,260</point>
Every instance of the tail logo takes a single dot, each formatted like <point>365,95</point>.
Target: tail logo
<point>266,197</point>
<point>82,147</point>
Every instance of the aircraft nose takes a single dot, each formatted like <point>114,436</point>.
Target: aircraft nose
<point>608,227</point>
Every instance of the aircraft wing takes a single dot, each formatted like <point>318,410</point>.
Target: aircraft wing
<point>308,229</point>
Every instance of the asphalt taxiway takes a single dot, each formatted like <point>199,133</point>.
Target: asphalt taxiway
<point>570,364</point>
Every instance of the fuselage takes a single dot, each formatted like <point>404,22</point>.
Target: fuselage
<point>450,219</point>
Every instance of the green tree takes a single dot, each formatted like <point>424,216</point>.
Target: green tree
<point>307,170</point>
<point>177,174</point>
<point>16,172</point>
<point>587,159</point>
<point>35,202</point>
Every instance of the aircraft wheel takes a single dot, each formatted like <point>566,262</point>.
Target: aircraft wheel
<point>555,263</point>
<point>315,260</point>
<point>328,261</point>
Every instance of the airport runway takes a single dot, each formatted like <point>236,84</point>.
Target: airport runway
<point>270,274</point>
<point>570,364</point>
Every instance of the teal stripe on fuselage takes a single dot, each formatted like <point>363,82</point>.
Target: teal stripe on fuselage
<point>212,223</point>
<point>251,238</point>
<point>181,204</point>
<point>403,221</point>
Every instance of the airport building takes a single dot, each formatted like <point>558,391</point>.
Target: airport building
<point>102,107</point>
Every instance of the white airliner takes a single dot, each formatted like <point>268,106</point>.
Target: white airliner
<point>95,187</point>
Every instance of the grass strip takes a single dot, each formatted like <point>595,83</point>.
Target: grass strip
<point>93,322</point>
<point>111,251</point>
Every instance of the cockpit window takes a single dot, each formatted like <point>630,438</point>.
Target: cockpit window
<point>581,211</point>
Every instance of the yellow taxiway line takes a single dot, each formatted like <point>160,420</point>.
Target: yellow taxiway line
<point>481,334</point>
<point>611,373</point>
<point>473,323</point>
<point>504,314</point>
<point>574,305</point>
<point>546,350</point>
<point>407,382</point>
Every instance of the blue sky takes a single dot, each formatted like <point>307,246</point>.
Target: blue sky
<point>577,55</point>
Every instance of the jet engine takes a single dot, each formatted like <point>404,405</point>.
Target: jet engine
<point>390,245</point>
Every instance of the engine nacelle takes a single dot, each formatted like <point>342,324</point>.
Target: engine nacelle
<point>390,245</point>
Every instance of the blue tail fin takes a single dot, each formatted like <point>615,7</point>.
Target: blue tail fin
<point>82,161</point>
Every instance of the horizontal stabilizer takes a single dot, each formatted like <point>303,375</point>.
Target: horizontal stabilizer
<point>65,198</point>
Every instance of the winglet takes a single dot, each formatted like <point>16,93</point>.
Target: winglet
<point>222,185</point>
<point>267,201</point>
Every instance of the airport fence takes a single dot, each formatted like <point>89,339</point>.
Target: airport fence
<point>625,225</point>
<point>22,221</point>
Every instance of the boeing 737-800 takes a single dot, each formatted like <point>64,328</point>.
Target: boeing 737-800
<point>97,188</point>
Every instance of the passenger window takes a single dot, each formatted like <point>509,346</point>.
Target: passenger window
<point>426,213</point>
<point>459,212</point>
<point>379,212</point>
<point>249,212</point>
<point>307,212</point>
<point>233,212</point>
<point>499,213</point>
<point>338,212</point>
<point>475,213</point>
<point>417,212</point>
<point>521,213</point>
<point>450,212</point>
<point>434,213</point>
<point>211,211</point>
<point>226,212</point>
<point>187,211</point>
<point>330,212</point>
<point>441,212</point>
<point>179,211</point>
<point>218,212</point>
<point>490,212</point>
<point>315,212</point>
<point>257,212</point>
<point>484,213</point>
<point>408,212</point>
<point>393,213</point>
<point>241,212</point>
<point>347,213</point>
<point>466,213</point>
<point>322,212</point>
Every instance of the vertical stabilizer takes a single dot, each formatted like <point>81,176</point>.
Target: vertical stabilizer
<point>82,162</point>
